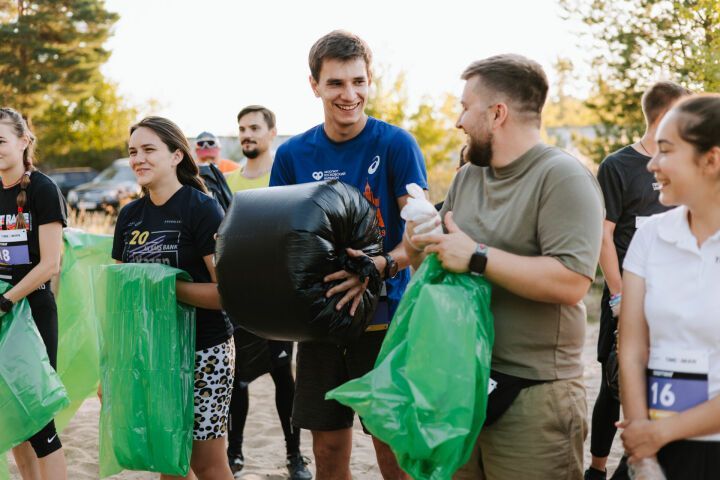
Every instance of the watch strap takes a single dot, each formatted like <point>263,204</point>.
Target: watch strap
<point>5,304</point>
<point>478,260</point>
<point>390,267</point>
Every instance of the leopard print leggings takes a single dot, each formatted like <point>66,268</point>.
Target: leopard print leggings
<point>214,373</point>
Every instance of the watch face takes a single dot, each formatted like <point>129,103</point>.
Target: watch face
<point>477,263</point>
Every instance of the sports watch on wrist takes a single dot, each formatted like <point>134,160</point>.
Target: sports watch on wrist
<point>391,267</point>
<point>5,304</point>
<point>478,261</point>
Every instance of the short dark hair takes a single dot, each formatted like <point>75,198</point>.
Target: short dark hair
<point>338,45</point>
<point>659,98</point>
<point>521,79</point>
<point>699,121</point>
<point>267,114</point>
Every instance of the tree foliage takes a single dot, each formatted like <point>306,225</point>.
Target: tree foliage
<point>432,122</point>
<point>636,43</point>
<point>50,57</point>
<point>90,132</point>
<point>51,51</point>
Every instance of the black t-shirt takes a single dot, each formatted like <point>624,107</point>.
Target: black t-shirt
<point>178,233</point>
<point>627,186</point>
<point>20,248</point>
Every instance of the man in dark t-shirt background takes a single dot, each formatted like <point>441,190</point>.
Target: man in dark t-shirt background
<point>630,198</point>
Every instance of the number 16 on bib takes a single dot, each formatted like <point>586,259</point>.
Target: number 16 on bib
<point>676,381</point>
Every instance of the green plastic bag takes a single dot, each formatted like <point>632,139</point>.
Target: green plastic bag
<point>147,360</point>
<point>31,393</point>
<point>427,395</point>
<point>78,361</point>
<point>4,472</point>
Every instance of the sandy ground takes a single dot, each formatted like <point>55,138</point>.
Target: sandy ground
<point>264,446</point>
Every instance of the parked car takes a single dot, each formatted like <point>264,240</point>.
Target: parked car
<point>69,178</point>
<point>110,190</point>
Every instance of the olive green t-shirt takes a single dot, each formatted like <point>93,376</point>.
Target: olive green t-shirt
<point>545,203</point>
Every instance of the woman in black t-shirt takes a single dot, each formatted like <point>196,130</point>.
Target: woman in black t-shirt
<point>32,216</point>
<point>175,223</point>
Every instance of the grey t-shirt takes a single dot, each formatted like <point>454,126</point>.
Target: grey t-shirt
<point>545,203</point>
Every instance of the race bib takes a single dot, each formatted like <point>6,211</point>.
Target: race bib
<point>14,247</point>
<point>676,381</point>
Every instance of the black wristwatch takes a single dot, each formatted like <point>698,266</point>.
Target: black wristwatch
<point>478,261</point>
<point>391,267</point>
<point>5,304</point>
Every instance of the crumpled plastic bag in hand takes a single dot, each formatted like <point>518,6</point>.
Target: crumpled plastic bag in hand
<point>421,212</point>
<point>646,469</point>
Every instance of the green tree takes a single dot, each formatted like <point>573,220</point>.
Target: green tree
<point>51,51</point>
<point>432,123</point>
<point>388,99</point>
<point>433,126</point>
<point>637,42</point>
<point>90,132</point>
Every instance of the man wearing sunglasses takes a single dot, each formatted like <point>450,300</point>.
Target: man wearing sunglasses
<point>207,149</point>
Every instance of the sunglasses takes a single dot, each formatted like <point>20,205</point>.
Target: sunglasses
<point>206,144</point>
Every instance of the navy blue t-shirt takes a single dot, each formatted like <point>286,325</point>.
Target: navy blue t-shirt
<point>179,234</point>
<point>380,162</point>
<point>20,248</point>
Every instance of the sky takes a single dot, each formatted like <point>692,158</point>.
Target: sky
<point>199,62</point>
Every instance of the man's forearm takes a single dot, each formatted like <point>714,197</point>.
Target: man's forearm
<point>610,265</point>
<point>543,279</point>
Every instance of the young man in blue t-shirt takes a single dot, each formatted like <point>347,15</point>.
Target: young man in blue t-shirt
<point>380,160</point>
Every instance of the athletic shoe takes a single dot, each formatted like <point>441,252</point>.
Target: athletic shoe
<point>296,466</point>
<point>237,461</point>
<point>595,474</point>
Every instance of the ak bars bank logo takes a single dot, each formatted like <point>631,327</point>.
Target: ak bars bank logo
<point>334,174</point>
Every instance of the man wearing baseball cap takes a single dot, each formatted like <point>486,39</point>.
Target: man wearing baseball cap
<point>207,149</point>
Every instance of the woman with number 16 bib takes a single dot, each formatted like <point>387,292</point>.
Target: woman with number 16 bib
<point>669,346</point>
<point>32,216</point>
<point>174,223</point>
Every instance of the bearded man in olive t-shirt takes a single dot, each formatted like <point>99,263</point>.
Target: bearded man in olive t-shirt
<point>528,216</point>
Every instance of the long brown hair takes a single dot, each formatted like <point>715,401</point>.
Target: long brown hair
<point>171,135</point>
<point>20,127</point>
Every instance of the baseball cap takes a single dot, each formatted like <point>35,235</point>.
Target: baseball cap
<point>207,140</point>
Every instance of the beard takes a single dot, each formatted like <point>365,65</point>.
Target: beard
<point>480,152</point>
<point>254,153</point>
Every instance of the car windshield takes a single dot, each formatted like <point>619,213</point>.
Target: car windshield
<point>116,174</point>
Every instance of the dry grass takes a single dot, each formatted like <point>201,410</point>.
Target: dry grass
<point>92,222</point>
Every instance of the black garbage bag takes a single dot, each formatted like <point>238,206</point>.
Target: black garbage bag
<point>277,244</point>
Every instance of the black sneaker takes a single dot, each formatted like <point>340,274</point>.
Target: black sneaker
<point>237,461</point>
<point>595,474</point>
<point>296,466</point>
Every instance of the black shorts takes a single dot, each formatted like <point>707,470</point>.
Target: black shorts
<point>324,366</point>
<point>255,356</point>
<point>280,353</point>
<point>690,459</point>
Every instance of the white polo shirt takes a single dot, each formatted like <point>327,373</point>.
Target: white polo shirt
<point>682,307</point>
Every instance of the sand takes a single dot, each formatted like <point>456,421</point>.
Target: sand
<point>264,446</point>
